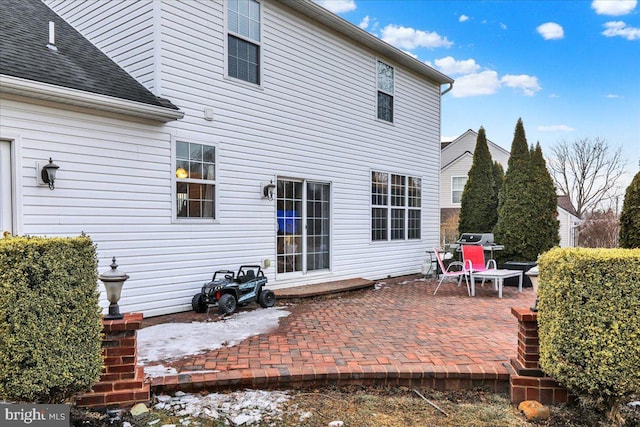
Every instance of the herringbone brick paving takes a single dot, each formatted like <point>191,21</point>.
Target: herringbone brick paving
<point>398,333</point>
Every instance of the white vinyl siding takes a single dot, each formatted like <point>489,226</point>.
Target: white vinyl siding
<point>123,29</point>
<point>311,119</point>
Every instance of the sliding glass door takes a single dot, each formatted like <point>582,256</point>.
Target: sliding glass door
<point>303,215</point>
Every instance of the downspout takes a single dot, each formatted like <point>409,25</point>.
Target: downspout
<point>447,90</point>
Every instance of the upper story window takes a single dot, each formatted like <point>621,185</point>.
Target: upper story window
<point>396,206</point>
<point>385,91</point>
<point>195,180</point>
<point>243,40</point>
<point>457,187</point>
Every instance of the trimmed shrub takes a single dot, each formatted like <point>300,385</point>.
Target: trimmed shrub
<point>589,328</point>
<point>50,329</point>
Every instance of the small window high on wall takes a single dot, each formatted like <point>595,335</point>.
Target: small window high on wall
<point>385,76</point>
<point>243,40</point>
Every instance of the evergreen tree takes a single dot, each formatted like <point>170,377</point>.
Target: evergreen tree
<point>498,179</point>
<point>630,216</point>
<point>478,213</point>
<point>545,226</point>
<point>517,204</point>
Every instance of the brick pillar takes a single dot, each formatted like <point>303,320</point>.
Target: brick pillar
<point>527,381</point>
<point>122,382</point>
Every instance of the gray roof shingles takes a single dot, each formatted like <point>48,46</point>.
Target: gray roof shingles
<point>77,64</point>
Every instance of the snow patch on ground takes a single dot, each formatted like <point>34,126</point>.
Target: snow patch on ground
<point>170,341</point>
<point>246,407</point>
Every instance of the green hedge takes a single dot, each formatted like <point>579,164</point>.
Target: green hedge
<point>50,329</point>
<point>589,322</point>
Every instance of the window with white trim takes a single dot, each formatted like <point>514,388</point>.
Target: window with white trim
<point>243,40</point>
<point>457,187</point>
<point>396,207</point>
<point>385,76</point>
<point>195,170</point>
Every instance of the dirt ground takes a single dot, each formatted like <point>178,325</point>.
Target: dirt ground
<point>383,407</point>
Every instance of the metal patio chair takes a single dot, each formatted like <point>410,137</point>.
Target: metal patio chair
<point>454,269</point>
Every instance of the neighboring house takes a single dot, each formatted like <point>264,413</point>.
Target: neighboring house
<point>569,221</point>
<point>277,95</point>
<point>457,158</point>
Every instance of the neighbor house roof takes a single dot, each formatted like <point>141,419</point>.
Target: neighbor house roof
<point>564,201</point>
<point>69,71</point>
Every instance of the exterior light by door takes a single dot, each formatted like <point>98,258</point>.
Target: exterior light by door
<point>113,281</point>
<point>48,173</point>
<point>268,190</point>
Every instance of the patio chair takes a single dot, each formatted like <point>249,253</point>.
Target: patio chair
<point>473,257</point>
<point>455,269</point>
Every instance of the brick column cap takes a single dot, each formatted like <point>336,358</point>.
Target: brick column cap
<point>524,314</point>
<point>130,322</point>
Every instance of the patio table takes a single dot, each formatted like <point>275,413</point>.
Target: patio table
<point>497,276</point>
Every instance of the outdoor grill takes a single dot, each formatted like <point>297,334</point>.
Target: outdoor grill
<point>482,239</point>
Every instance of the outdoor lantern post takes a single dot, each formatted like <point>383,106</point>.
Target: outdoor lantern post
<point>113,281</point>
<point>533,276</point>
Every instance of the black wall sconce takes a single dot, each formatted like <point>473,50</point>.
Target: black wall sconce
<point>48,173</point>
<point>268,190</point>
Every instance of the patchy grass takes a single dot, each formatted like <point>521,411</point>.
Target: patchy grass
<point>391,407</point>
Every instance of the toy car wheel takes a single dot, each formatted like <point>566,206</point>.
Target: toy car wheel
<point>267,298</point>
<point>198,304</point>
<point>226,304</point>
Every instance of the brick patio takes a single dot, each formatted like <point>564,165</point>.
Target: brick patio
<point>399,334</point>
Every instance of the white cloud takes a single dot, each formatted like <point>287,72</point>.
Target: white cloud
<point>620,29</point>
<point>528,84</point>
<point>364,23</point>
<point>503,26</point>
<point>484,83</point>
<point>449,65</point>
<point>337,6</point>
<point>554,95</point>
<point>550,31</point>
<point>410,38</point>
<point>555,128</point>
<point>613,96</point>
<point>613,7</point>
<point>463,18</point>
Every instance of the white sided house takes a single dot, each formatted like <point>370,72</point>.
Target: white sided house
<point>293,139</point>
<point>457,158</point>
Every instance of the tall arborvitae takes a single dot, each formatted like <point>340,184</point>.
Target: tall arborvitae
<point>545,226</point>
<point>516,203</point>
<point>498,179</point>
<point>478,212</point>
<point>630,216</point>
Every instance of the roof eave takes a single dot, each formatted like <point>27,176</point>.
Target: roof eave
<point>79,98</point>
<point>342,26</point>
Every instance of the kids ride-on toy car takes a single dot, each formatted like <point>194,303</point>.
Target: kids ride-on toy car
<point>227,290</point>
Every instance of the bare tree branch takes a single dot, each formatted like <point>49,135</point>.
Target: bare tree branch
<point>588,171</point>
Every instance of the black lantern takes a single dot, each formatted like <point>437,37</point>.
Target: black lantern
<point>113,281</point>
<point>48,173</point>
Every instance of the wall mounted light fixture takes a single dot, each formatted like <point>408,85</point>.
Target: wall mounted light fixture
<point>48,173</point>
<point>268,190</point>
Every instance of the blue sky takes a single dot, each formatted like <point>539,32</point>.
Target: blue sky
<point>569,68</point>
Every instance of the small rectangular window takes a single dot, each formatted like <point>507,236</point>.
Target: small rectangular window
<point>195,170</point>
<point>386,88</point>
<point>243,40</point>
<point>457,187</point>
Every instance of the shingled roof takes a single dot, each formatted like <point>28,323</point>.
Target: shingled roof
<point>76,64</point>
